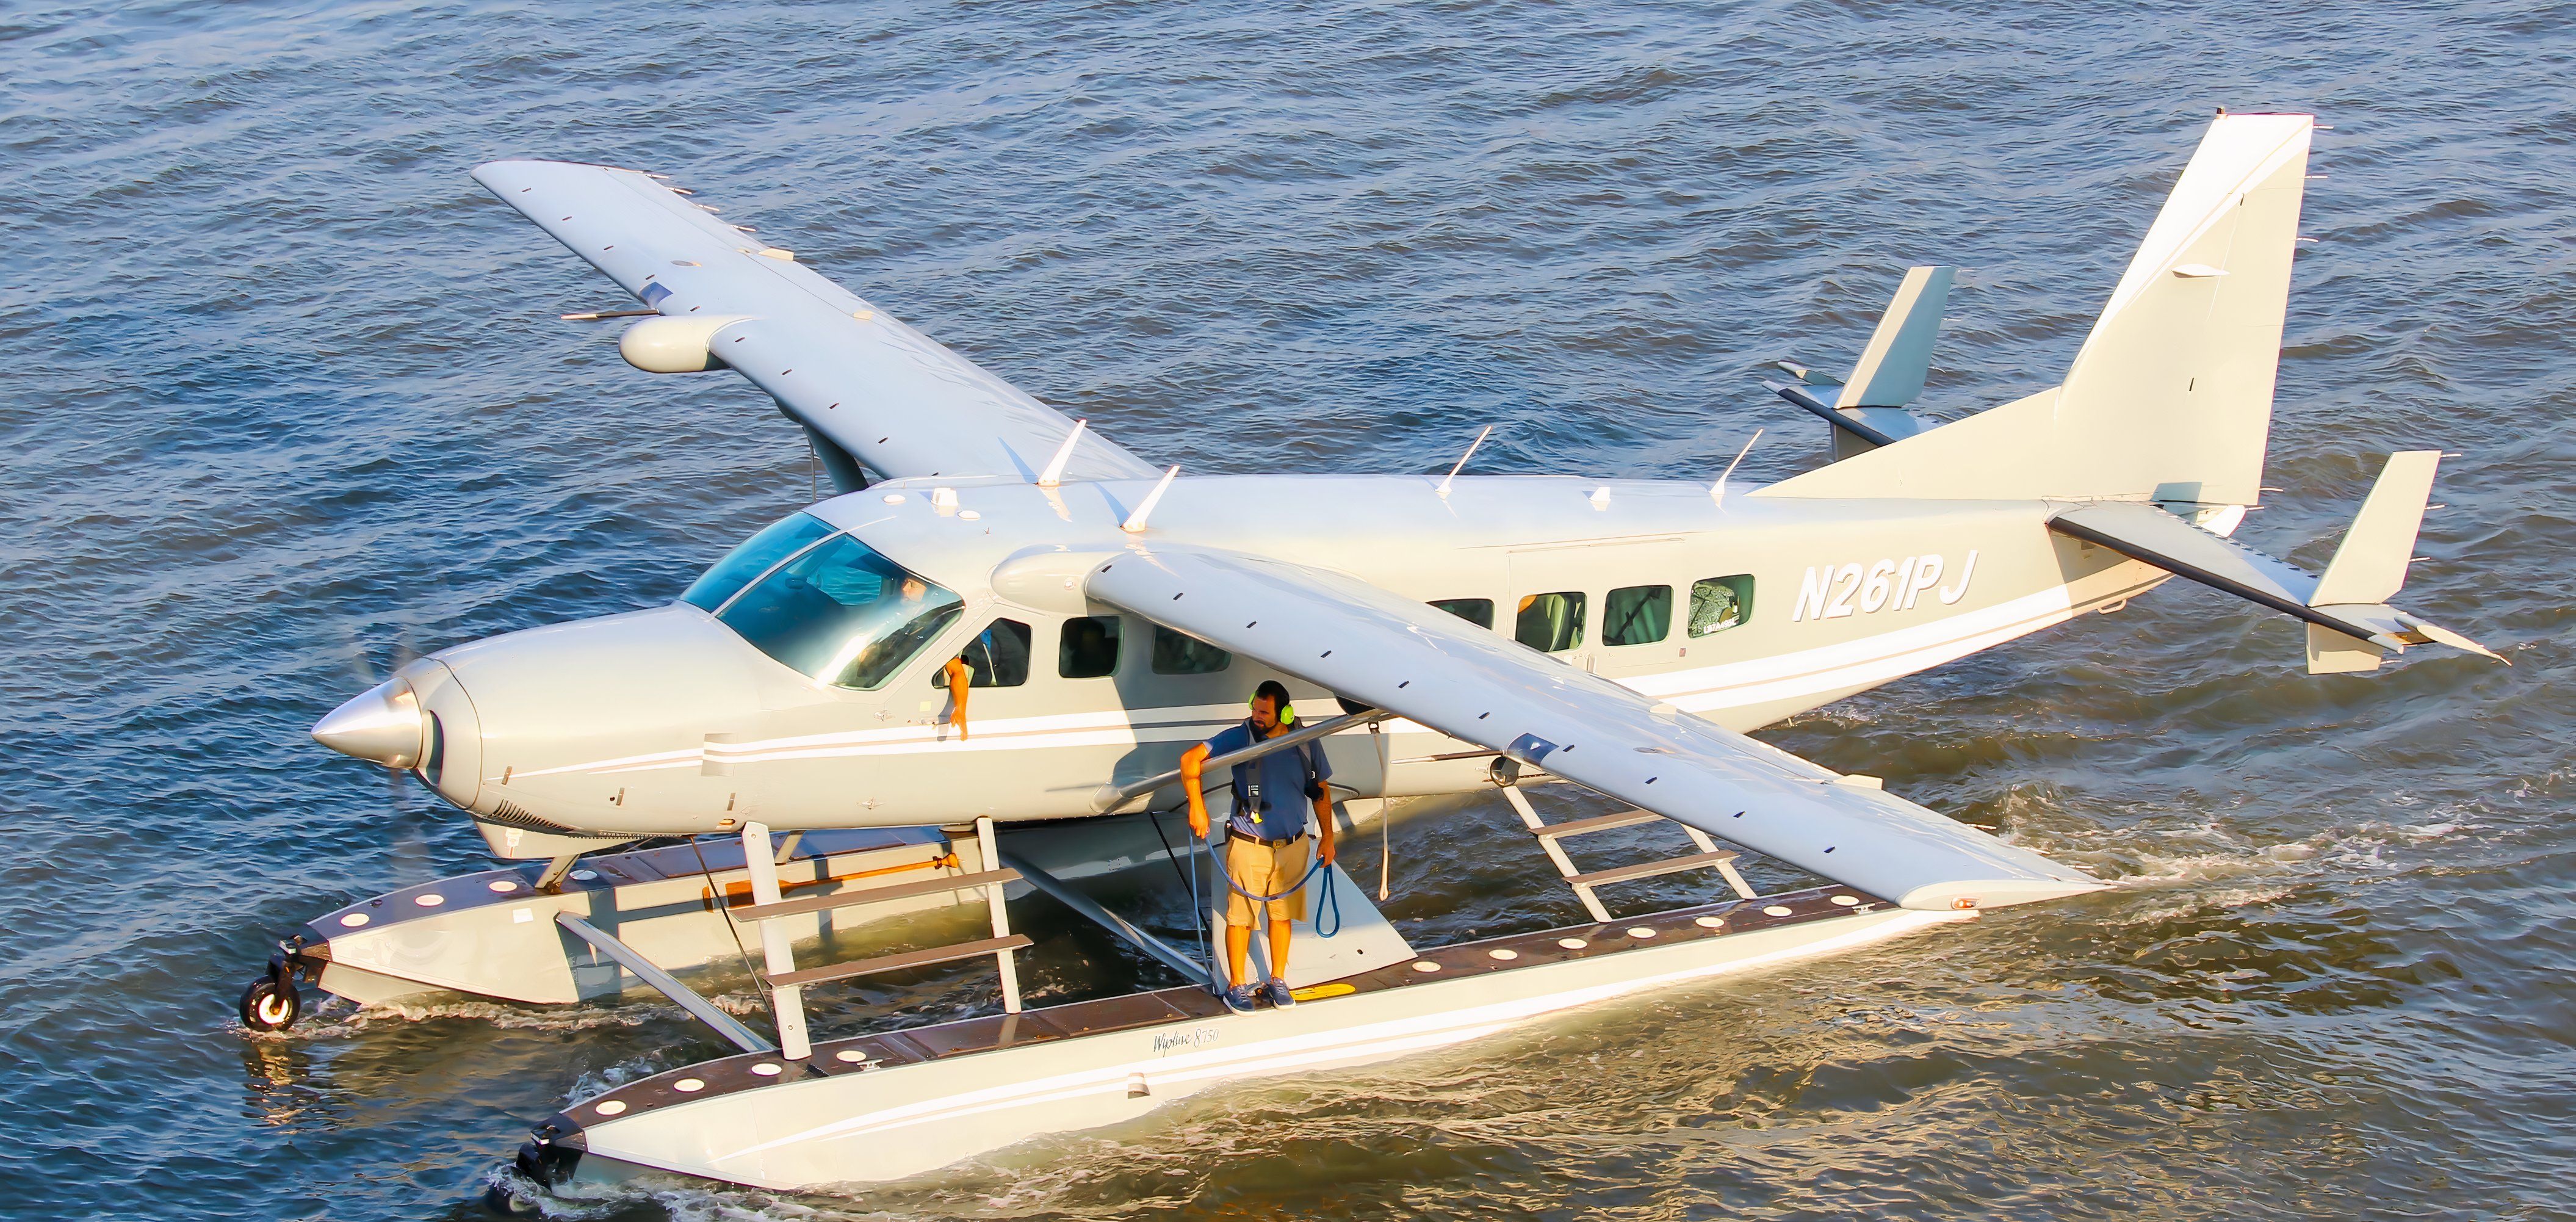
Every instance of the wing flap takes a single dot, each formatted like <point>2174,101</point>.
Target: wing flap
<point>897,400</point>
<point>1368,644</point>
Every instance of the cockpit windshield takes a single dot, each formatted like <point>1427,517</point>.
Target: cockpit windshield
<point>775,542</point>
<point>840,612</point>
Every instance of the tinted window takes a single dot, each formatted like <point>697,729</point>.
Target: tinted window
<point>1552,622</point>
<point>1477,611</point>
<point>842,613</point>
<point>1720,603</point>
<point>1177,654</point>
<point>1638,615</point>
<point>1089,648</point>
<point>997,657</point>
<point>775,542</point>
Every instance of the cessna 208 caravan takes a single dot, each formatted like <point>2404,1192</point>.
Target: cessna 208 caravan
<point>1474,631</point>
<point>1619,633</point>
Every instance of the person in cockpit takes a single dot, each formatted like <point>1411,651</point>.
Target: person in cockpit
<point>915,622</point>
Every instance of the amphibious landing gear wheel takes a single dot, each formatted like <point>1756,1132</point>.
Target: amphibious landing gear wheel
<point>543,1163</point>
<point>271,1002</point>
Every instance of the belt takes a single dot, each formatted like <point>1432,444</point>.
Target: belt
<point>1232,834</point>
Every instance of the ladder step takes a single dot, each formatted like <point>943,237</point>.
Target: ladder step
<point>1577,827</point>
<point>894,963</point>
<point>874,895</point>
<point>1649,869</point>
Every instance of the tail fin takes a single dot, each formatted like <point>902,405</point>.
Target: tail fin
<point>2369,566</point>
<point>2351,627</point>
<point>1868,410</point>
<point>2170,398</point>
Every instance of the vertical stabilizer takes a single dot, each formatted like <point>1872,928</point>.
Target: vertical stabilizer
<point>1868,410</point>
<point>2170,397</point>
<point>2369,566</point>
<point>2177,374</point>
<point>1891,368</point>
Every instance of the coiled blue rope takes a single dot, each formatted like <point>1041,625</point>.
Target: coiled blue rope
<point>1332,900</point>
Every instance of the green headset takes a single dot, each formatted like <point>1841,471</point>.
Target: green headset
<point>1287,711</point>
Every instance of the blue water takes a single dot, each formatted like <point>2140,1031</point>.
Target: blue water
<point>287,403</point>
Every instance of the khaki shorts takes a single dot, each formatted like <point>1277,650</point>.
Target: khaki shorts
<point>1264,869</point>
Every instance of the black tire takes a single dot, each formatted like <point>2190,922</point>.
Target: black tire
<point>271,1004</point>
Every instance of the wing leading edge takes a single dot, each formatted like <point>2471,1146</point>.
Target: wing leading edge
<point>1370,645</point>
<point>889,395</point>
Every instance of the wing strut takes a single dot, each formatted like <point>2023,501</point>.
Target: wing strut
<point>1114,797</point>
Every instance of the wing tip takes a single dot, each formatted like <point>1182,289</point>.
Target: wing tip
<point>1959,895</point>
<point>483,171</point>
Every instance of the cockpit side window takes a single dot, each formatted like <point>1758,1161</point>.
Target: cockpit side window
<point>842,613</point>
<point>757,555</point>
<point>997,657</point>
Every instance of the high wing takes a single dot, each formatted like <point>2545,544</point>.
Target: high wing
<point>886,394</point>
<point>1367,644</point>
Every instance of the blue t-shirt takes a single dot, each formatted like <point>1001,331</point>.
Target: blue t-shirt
<point>1270,793</point>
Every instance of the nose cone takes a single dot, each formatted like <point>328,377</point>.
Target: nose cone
<point>381,725</point>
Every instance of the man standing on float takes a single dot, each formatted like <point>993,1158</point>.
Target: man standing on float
<point>1265,839</point>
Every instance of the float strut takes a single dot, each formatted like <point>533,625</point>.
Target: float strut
<point>551,881</point>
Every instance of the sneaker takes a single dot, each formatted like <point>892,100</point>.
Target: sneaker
<point>1240,999</point>
<point>1280,997</point>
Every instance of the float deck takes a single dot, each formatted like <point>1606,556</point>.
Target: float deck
<point>892,1104</point>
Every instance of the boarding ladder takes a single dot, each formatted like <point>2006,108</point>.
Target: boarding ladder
<point>1550,835</point>
<point>787,982</point>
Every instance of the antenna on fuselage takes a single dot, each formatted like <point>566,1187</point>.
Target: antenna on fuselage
<point>1054,473</point>
<point>1135,523</point>
<point>1462,459</point>
<point>1718,489</point>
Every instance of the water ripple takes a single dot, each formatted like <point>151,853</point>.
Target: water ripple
<point>290,405</point>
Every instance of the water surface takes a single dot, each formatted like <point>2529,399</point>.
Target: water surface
<point>288,403</point>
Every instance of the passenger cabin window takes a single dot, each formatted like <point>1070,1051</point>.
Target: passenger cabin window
<point>1179,654</point>
<point>841,613</point>
<point>1089,648</point>
<point>997,657</point>
<point>757,555</point>
<point>1477,611</point>
<point>1551,622</point>
<point>1720,603</point>
<point>1637,615</point>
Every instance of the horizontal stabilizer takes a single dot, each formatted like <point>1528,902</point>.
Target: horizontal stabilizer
<point>1857,430</point>
<point>2343,636</point>
<point>2147,532</point>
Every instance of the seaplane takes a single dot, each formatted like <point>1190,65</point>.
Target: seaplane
<point>970,676</point>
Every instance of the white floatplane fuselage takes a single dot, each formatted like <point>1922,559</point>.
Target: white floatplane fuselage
<point>668,722</point>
